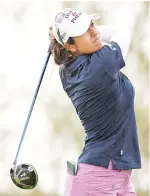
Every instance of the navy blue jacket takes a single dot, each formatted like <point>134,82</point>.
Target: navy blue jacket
<point>104,101</point>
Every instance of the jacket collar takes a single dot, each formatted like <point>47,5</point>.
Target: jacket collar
<point>75,63</point>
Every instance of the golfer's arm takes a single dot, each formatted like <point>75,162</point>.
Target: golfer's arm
<point>120,35</point>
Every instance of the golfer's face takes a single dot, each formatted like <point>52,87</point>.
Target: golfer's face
<point>89,42</point>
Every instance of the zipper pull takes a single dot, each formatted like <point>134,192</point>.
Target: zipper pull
<point>121,152</point>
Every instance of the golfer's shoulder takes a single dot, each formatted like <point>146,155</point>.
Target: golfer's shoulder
<point>109,51</point>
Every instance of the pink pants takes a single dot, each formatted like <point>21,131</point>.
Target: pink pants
<point>99,181</point>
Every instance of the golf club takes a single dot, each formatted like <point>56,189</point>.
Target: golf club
<point>24,175</point>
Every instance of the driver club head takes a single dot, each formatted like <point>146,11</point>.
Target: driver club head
<point>24,176</point>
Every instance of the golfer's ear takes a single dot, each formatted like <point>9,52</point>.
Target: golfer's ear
<point>71,47</point>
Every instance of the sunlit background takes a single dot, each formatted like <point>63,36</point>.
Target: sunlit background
<point>54,134</point>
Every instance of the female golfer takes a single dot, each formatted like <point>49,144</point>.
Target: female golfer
<point>104,101</point>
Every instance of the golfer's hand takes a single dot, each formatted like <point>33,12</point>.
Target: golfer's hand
<point>51,34</point>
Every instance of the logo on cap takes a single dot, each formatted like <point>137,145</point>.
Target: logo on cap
<point>63,35</point>
<point>74,13</point>
<point>76,17</point>
<point>60,17</point>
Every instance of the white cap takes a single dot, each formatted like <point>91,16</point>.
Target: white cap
<point>71,23</point>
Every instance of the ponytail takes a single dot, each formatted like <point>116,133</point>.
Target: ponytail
<point>61,54</point>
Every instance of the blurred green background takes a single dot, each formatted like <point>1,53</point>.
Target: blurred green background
<point>55,134</point>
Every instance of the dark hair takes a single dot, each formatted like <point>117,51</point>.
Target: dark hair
<point>61,54</point>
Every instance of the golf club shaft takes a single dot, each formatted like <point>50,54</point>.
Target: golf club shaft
<point>32,105</point>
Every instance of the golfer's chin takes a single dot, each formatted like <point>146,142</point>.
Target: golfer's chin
<point>97,47</point>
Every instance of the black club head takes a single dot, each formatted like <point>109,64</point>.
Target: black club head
<point>24,176</point>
